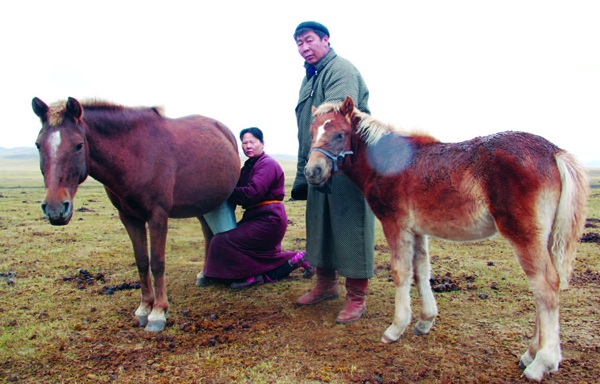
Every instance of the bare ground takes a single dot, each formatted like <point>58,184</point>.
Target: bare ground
<point>54,328</point>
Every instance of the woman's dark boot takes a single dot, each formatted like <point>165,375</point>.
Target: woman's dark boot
<point>355,306</point>
<point>326,289</point>
<point>298,262</point>
<point>249,282</point>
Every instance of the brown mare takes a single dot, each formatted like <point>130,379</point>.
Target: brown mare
<point>152,168</point>
<point>516,184</point>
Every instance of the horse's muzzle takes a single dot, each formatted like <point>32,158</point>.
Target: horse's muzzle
<point>315,174</point>
<point>58,213</point>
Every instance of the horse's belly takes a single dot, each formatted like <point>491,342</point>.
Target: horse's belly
<point>463,234</point>
<point>477,226</point>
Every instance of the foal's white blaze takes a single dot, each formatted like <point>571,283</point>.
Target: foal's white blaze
<point>321,130</point>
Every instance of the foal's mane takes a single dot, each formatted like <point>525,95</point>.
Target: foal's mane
<point>57,110</point>
<point>372,130</point>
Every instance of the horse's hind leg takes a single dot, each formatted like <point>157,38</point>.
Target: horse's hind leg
<point>401,249</point>
<point>544,353</point>
<point>529,355</point>
<point>208,235</point>
<point>422,273</point>
<point>136,229</point>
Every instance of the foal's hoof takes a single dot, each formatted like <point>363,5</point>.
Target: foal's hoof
<point>142,321</point>
<point>155,325</point>
<point>537,376</point>
<point>387,340</point>
<point>526,360</point>
<point>540,366</point>
<point>392,334</point>
<point>422,327</point>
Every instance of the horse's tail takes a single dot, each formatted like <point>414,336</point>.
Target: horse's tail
<point>227,132</point>
<point>570,216</point>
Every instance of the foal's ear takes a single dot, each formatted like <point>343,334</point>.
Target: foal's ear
<point>347,107</point>
<point>314,109</point>
<point>74,109</point>
<point>39,108</point>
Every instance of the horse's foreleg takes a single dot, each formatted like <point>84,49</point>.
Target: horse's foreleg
<point>136,229</point>
<point>544,353</point>
<point>401,264</point>
<point>422,273</point>
<point>158,226</point>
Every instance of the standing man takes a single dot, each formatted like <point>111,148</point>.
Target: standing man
<point>340,227</point>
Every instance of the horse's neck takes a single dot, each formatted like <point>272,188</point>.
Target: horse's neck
<point>392,155</point>
<point>107,151</point>
<point>358,170</point>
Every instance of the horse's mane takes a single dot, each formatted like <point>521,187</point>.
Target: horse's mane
<point>372,130</point>
<point>57,109</point>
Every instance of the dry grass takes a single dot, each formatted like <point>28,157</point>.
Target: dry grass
<point>53,331</point>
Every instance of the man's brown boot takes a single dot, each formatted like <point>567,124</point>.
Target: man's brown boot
<point>326,289</point>
<point>355,306</point>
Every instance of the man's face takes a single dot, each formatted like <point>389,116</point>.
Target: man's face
<point>311,47</point>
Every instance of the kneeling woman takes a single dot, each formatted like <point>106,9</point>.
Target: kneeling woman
<point>250,254</point>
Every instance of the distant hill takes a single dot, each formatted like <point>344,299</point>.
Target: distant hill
<point>284,157</point>
<point>30,153</point>
<point>19,153</point>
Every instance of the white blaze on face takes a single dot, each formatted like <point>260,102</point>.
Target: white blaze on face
<point>53,144</point>
<point>321,130</point>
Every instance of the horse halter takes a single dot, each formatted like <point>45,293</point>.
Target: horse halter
<point>334,159</point>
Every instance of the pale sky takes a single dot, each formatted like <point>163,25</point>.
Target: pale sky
<point>456,69</point>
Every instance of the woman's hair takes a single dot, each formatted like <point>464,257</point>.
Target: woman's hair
<point>256,132</point>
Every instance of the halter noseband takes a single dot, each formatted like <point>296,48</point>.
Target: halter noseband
<point>334,159</point>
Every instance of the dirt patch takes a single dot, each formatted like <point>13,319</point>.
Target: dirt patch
<point>590,237</point>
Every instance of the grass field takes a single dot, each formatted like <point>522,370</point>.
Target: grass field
<point>55,329</point>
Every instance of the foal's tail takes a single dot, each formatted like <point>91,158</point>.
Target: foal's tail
<point>570,216</point>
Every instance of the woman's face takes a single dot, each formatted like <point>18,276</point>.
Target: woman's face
<point>251,146</point>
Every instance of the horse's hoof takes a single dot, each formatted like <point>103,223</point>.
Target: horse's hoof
<point>534,377</point>
<point>155,325</point>
<point>526,360</point>
<point>202,281</point>
<point>536,370</point>
<point>389,336</point>
<point>392,334</point>
<point>387,340</point>
<point>422,327</point>
<point>142,321</point>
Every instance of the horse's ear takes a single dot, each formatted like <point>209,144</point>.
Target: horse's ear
<point>314,109</point>
<point>347,107</point>
<point>74,109</point>
<point>39,108</point>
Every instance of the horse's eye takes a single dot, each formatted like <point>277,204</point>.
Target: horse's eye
<point>78,147</point>
<point>339,136</point>
<point>37,146</point>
